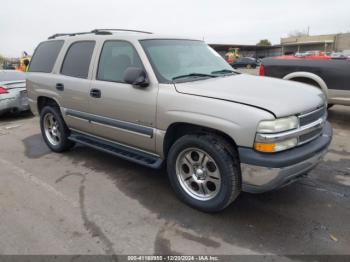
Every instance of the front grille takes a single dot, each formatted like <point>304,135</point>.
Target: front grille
<point>310,136</point>
<point>313,116</point>
<point>309,119</point>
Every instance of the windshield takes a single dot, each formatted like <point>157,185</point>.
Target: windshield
<point>184,60</point>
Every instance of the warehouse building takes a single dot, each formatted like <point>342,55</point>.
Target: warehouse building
<point>327,43</point>
<point>291,45</point>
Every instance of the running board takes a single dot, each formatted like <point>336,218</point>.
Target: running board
<point>118,150</point>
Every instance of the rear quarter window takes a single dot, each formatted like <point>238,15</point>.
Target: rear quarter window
<point>45,56</point>
<point>77,60</point>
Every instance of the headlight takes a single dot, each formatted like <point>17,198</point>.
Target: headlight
<point>278,125</point>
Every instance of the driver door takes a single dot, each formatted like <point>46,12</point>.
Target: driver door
<point>121,112</point>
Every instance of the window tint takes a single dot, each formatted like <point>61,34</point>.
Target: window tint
<point>77,60</point>
<point>45,56</point>
<point>116,57</point>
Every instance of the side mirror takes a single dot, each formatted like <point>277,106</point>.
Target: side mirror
<point>135,76</point>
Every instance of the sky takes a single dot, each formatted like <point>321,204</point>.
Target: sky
<point>25,23</point>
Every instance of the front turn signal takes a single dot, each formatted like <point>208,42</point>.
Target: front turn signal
<point>268,148</point>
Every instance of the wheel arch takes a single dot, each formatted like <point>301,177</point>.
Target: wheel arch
<point>308,78</point>
<point>179,129</point>
<point>43,101</point>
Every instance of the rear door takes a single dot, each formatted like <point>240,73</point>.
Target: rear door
<point>73,83</point>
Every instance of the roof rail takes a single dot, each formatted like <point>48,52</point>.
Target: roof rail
<point>97,31</point>
<point>68,34</point>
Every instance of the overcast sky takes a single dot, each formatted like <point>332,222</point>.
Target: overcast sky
<point>24,23</point>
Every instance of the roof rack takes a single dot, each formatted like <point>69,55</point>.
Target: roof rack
<point>98,32</point>
<point>106,31</point>
<point>68,34</point>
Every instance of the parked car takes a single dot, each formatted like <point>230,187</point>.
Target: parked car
<point>152,99</point>
<point>346,53</point>
<point>246,62</point>
<point>338,55</point>
<point>331,76</point>
<point>13,94</point>
<point>8,67</point>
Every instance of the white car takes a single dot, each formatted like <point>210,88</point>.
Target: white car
<point>13,93</point>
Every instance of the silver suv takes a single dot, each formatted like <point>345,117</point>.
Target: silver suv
<point>160,100</point>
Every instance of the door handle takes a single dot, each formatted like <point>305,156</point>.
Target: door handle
<point>95,93</point>
<point>60,87</point>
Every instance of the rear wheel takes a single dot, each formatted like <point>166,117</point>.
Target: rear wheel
<point>203,172</point>
<point>54,130</point>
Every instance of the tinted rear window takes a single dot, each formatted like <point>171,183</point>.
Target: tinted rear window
<point>77,60</point>
<point>45,56</point>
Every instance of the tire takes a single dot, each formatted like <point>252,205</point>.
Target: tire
<point>61,143</point>
<point>221,161</point>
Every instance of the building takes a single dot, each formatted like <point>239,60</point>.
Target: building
<point>327,43</point>
<point>291,45</point>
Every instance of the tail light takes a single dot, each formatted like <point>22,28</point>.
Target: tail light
<point>3,90</point>
<point>262,70</point>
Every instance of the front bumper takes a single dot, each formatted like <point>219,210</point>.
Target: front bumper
<point>265,172</point>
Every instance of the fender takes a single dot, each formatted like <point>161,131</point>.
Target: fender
<point>322,84</point>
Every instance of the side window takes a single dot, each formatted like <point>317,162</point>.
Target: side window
<point>77,60</point>
<point>45,56</point>
<point>115,58</point>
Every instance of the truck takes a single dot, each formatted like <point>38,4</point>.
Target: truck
<point>332,76</point>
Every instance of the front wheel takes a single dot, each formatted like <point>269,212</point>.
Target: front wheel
<point>54,130</point>
<point>204,172</point>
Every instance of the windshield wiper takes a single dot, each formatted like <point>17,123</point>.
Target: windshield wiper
<point>223,71</point>
<point>193,75</point>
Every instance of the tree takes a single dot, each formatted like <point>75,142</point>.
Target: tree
<point>264,42</point>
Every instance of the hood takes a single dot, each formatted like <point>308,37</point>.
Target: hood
<point>280,97</point>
